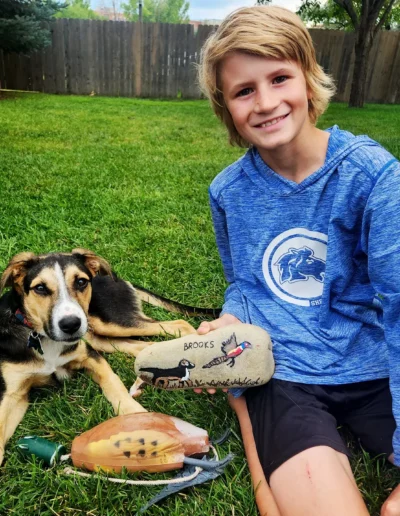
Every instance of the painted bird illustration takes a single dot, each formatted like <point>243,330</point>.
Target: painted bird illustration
<point>180,372</point>
<point>231,350</point>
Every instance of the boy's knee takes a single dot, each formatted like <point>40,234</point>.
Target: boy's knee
<point>390,508</point>
<point>392,505</point>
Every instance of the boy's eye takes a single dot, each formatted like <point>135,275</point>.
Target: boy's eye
<point>279,79</point>
<point>244,92</point>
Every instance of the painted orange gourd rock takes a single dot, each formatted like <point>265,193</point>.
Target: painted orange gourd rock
<point>147,441</point>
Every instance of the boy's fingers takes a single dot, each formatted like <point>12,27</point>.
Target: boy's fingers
<point>204,328</point>
<point>210,391</point>
<point>207,326</point>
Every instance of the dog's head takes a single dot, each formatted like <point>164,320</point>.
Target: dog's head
<point>186,363</point>
<point>55,290</point>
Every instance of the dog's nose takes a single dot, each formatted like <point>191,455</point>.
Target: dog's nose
<point>70,324</point>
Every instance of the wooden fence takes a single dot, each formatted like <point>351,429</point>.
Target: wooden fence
<point>159,60</point>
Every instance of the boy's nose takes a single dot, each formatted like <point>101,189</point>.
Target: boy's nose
<point>266,102</point>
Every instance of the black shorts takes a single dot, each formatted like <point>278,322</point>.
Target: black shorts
<point>289,417</point>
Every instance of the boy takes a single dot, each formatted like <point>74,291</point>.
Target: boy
<point>308,231</point>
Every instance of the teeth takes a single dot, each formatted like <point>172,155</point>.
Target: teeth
<point>272,122</point>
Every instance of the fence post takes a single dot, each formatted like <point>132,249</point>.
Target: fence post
<point>140,11</point>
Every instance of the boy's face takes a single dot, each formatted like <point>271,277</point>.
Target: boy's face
<point>267,99</point>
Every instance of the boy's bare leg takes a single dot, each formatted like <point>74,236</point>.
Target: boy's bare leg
<point>317,482</point>
<point>265,501</point>
<point>391,507</point>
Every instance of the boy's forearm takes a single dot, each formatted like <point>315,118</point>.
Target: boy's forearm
<point>233,304</point>
<point>233,298</point>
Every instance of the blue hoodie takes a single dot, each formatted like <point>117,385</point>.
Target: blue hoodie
<point>317,264</point>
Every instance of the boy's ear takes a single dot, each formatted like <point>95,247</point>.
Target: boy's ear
<point>16,270</point>
<point>95,264</point>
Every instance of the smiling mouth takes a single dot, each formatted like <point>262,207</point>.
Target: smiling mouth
<point>272,122</point>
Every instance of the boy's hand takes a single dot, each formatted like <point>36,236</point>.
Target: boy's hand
<point>224,320</point>
<point>207,326</point>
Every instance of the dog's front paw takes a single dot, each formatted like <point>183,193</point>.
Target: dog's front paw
<point>184,328</point>
<point>62,374</point>
<point>137,388</point>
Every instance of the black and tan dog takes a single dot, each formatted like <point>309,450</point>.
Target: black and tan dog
<point>57,304</point>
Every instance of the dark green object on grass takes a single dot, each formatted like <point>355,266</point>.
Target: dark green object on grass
<point>45,450</point>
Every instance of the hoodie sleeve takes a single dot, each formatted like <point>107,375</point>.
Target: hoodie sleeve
<point>381,242</point>
<point>233,298</point>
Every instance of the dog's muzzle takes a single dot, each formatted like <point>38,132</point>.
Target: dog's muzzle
<point>70,324</point>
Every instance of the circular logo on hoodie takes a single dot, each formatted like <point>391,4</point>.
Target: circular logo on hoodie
<point>294,266</point>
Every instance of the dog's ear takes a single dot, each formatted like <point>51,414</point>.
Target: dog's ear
<point>16,271</point>
<point>95,264</point>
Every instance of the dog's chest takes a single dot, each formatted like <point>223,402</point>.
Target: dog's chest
<point>55,357</point>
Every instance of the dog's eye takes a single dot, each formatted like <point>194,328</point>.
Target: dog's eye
<point>40,289</point>
<point>81,283</point>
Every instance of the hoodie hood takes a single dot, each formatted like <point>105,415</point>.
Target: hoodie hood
<point>340,144</point>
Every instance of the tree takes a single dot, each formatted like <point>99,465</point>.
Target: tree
<point>176,11</point>
<point>366,18</point>
<point>21,24</point>
<point>78,9</point>
<point>263,2</point>
<point>330,15</point>
<point>164,11</point>
<point>116,7</point>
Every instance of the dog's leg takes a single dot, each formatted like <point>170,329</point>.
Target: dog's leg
<point>14,403</point>
<point>12,410</point>
<point>112,387</point>
<point>144,328</point>
<point>128,346</point>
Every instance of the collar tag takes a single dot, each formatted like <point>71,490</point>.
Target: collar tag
<point>34,342</point>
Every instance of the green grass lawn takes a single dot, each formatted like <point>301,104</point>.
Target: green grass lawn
<point>128,179</point>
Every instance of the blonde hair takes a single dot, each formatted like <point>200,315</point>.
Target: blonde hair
<point>272,32</point>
